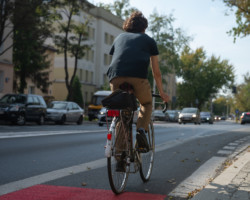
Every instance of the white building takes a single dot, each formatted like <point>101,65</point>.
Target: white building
<point>104,27</point>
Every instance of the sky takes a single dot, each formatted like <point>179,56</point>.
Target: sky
<point>206,22</point>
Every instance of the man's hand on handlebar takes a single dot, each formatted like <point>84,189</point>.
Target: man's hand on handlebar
<point>164,97</point>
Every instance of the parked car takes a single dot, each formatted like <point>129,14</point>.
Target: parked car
<point>217,118</point>
<point>96,103</point>
<point>64,111</point>
<point>102,116</point>
<point>19,108</point>
<point>223,118</point>
<point>158,115</point>
<point>245,117</point>
<point>173,115</point>
<point>207,117</point>
<point>190,115</point>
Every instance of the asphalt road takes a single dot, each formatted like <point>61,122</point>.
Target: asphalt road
<point>72,155</point>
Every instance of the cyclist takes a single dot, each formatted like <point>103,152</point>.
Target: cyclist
<point>132,52</point>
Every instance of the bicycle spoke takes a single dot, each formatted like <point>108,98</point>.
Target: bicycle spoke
<point>117,179</point>
<point>147,159</point>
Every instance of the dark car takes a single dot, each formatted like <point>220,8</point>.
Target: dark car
<point>190,115</point>
<point>173,115</point>
<point>245,117</point>
<point>207,117</point>
<point>19,108</point>
<point>158,115</point>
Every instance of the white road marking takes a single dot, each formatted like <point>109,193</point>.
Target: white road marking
<point>198,178</point>
<point>5,135</point>
<point>224,152</point>
<point>42,178</point>
<point>229,147</point>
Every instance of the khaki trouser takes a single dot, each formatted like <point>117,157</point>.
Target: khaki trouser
<point>142,91</point>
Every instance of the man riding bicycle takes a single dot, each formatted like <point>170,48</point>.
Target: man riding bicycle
<point>132,52</point>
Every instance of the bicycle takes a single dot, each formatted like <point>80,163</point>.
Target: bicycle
<point>135,159</point>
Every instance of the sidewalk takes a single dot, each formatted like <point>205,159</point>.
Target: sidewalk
<point>232,184</point>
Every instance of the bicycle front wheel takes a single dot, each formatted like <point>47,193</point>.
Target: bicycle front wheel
<point>117,178</point>
<point>147,159</point>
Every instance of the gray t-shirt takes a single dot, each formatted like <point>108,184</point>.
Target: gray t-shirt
<point>131,55</point>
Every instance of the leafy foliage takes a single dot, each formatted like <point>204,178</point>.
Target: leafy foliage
<point>77,93</point>
<point>202,77</point>
<point>6,29</point>
<point>242,14</point>
<point>28,50</point>
<point>120,8</point>
<point>243,95</point>
<point>169,41</point>
<point>71,36</point>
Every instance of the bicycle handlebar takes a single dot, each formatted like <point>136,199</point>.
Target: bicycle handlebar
<point>166,103</point>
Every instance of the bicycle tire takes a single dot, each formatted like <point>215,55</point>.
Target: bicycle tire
<point>117,180</point>
<point>147,159</point>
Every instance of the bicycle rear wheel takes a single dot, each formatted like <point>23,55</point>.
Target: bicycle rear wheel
<point>147,159</point>
<point>117,179</point>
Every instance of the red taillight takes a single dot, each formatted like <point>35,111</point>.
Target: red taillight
<point>109,136</point>
<point>113,113</point>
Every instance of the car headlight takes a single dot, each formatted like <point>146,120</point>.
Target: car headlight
<point>102,113</point>
<point>14,108</point>
<point>181,115</point>
<point>194,115</point>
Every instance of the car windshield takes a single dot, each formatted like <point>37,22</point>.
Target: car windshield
<point>97,100</point>
<point>58,105</point>
<point>189,110</point>
<point>205,113</point>
<point>158,112</point>
<point>13,99</point>
<point>171,112</point>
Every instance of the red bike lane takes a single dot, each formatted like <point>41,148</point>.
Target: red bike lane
<point>50,192</point>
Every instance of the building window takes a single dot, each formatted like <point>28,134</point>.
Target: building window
<point>109,39</point>
<point>106,38</point>
<point>31,90</point>
<point>89,55</point>
<point>92,77</point>
<point>86,76</point>
<point>107,59</point>
<point>1,80</point>
<point>91,32</point>
<point>86,96</point>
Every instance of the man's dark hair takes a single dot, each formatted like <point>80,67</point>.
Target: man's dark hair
<point>136,23</point>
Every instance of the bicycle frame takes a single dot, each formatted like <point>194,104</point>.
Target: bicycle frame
<point>133,156</point>
<point>124,157</point>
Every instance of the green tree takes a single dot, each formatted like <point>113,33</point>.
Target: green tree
<point>242,13</point>
<point>71,35</point>
<point>77,92</point>
<point>220,106</point>
<point>6,28</point>
<point>120,8</point>
<point>202,77</point>
<point>30,34</point>
<point>243,95</point>
<point>169,40</point>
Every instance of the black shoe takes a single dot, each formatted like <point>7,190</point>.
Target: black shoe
<point>142,140</point>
